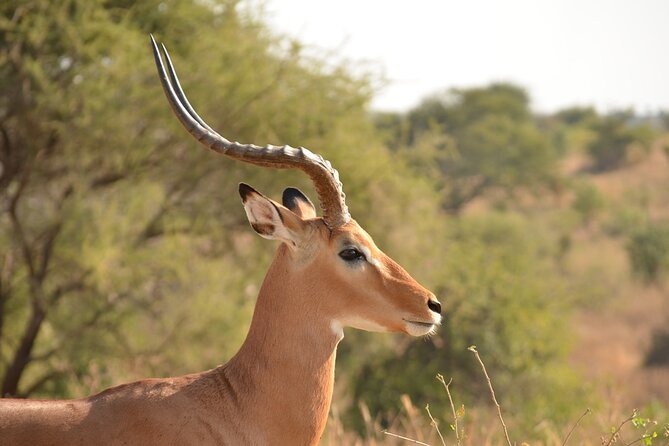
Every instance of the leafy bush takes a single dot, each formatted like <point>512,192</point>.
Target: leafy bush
<point>648,251</point>
<point>658,354</point>
<point>501,294</point>
<point>626,220</point>
<point>588,202</point>
<point>615,139</point>
<point>482,138</point>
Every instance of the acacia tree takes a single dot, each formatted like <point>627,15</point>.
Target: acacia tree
<point>108,215</point>
<point>62,148</point>
<point>480,139</point>
<point>615,139</point>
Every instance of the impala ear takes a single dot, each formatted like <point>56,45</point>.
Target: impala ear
<point>299,203</point>
<point>270,219</point>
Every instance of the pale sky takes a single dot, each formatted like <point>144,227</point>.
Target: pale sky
<point>607,53</point>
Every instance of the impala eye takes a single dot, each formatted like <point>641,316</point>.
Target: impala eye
<point>352,255</point>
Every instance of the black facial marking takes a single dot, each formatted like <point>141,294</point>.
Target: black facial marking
<point>292,197</point>
<point>245,191</point>
<point>434,306</point>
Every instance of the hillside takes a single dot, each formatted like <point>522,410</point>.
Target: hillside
<point>615,336</point>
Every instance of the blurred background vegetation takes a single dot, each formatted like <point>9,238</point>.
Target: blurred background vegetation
<point>124,251</point>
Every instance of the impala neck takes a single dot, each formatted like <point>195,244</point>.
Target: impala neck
<point>286,364</point>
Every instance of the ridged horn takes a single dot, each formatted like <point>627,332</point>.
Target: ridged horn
<point>323,175</point>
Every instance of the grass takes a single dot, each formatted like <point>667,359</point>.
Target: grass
<point>635,429</point>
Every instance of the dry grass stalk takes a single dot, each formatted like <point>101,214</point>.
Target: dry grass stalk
<point>434,423</point>
<point>492,393</point>
<point>587,411</point>
<point>414,417</point>
<point>440,378</point>
<point>405,438</point>
<point>616,432</point>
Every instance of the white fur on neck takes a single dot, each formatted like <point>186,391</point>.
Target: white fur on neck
<point>337,329</point>
<point>363,324</point>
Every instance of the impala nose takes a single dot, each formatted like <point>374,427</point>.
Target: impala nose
<point>434,306</point>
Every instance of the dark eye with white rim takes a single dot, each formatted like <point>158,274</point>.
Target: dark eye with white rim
<point>352,255</point>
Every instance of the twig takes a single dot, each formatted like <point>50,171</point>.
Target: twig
<point>492,393</point>
<point>440,378</point>
<point>405,438</point>
<point>587,411</point>
<point>615,433</point>
<point>435,424</point>
<point>636,441</point>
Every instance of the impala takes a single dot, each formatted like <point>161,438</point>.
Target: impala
<point>327,274</point>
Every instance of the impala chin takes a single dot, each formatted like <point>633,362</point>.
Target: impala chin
<point>419,328</point>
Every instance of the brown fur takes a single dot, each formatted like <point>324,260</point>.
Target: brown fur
<point>276,390</point>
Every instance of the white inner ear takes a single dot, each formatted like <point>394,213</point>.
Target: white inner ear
<point>266,221</point>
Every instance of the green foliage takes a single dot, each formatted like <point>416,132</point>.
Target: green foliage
<point>501,295</point>
<point>114,230</point>
<point>648,251</point>
<point>588,201</point>
<point>471,141</point>
<point>574,116</point>
<point>124,251</point>
<point>497,151</point>
<point>571,130</point>
<point>626,220</point>
<point>645,430</point>
<point>658,353</point>
<point>459,108</point>
<point>617,141</point>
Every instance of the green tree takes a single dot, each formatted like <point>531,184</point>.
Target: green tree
<point>588,201</point>
<point>111,247</point>
<point>573,116</point>
<point>503,296</point>
<point>648,251</point>
<point>493,143</point>
<point>459,108</point>
<point>616,139</point>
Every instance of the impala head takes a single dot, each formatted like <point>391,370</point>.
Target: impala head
<point>354,281</point>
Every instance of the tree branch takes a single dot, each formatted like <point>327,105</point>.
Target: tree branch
<point>18,227</point>
<point>22,355</point>
<point>7,159</point>
<point>40,382</point>
<point>260,93</point>
<point>50,236</point>
<point>5,287</point>
<point>47,250</point>
<point>175,195</point>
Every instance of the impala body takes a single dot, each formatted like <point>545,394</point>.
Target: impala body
<point>327,274</point>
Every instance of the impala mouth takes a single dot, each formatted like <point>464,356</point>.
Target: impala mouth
<point>422,324</point>
<point>419,328</point>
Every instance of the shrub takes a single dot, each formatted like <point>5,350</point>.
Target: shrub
<point>659,350</point>
<point>589,201</point>
<point>503,295</point>
<point>615,139</point>
<point>648,251</point>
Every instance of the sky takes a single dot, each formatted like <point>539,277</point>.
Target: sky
<point>611,54</point>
